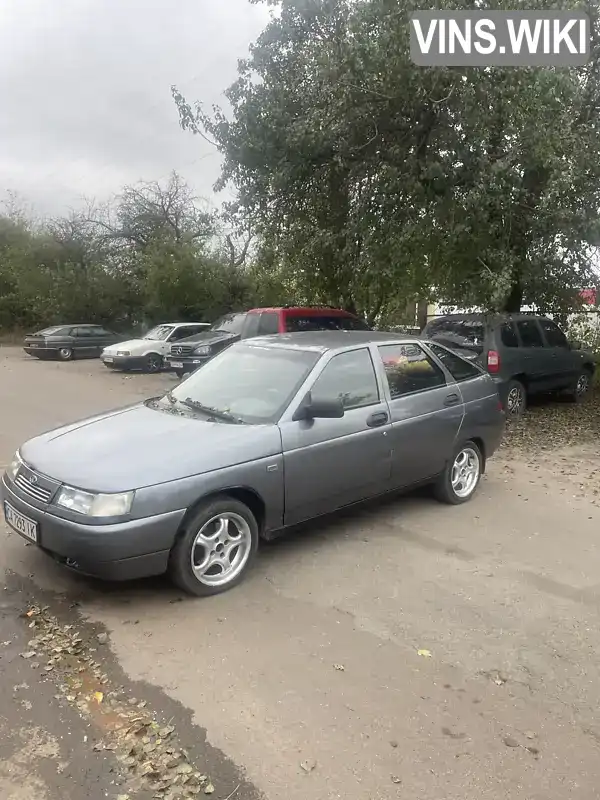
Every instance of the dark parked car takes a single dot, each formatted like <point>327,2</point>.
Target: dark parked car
<point>524,353</point>
<point>189,354</point>
<point>70,341</point>
<point>273,431</point>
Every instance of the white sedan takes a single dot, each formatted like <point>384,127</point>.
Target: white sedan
<point>147,353</point>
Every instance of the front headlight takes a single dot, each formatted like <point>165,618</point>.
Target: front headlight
<point>14,466</point>
<point>95,505</point>
<point>203,350</point>
<point>123,353</point>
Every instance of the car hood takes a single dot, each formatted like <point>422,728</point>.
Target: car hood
<point>208,338</point>
<point>134,344</point>
<point>141,446</point>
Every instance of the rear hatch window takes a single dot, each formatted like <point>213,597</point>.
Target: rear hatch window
<point>465,336</point>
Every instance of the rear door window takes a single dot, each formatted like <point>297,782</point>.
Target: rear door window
<point>554,336</point>
<point>459,368</point>
<point>83,332</point>
<point>458,332</point>
<point>530,333</point>
<point>409,369</point>
<point>508,335</point>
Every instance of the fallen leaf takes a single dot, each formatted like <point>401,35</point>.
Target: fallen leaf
<point>166,731</point>
<point>102,638</point>
<point>29,654</point>
<point>396,779</point>
<point>308,765</point>
<point>339,667</point>
<point>424,653</point>
<point>209,788</point>
<point>98,697</point>
<point>510,742</point>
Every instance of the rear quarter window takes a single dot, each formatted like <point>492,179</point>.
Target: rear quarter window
<point>460,369</point>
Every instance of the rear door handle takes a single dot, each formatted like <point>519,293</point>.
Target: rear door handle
<point>377,419</point>
<point>452,400</point>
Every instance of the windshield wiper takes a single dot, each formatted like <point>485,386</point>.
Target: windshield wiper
<point>212,412</point>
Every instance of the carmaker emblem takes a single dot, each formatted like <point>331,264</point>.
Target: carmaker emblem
<point>178,350</point>
<point>33,479</point>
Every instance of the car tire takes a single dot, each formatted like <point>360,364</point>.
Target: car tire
<point>460,479</point>
<point>180,374</point>
<point>65,354</point>
<point>516,400</point>
<point>153,363</point>
<point>581,386</point>
<point>205,560</point>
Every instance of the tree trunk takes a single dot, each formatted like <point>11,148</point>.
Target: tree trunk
<point>514,301</point>
<point>422,306</point>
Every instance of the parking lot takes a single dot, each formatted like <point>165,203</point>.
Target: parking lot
<point>402,650</point>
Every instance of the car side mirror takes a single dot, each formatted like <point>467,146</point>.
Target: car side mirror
<point>575,345</point>
<point>319,408</point>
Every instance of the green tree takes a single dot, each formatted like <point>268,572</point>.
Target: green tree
<point>371,179</point>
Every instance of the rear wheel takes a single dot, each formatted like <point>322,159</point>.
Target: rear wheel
<point>65,353</point>
<point>516,399</point>
<point>154,363</point>
<point>581,386</point>
<point>216,548</point>
<point>460,479</point>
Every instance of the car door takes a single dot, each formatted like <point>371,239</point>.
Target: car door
<point>330,463</point>
<point>539,366</point>
<point>426,412</point>
<point>85,342</point>
<point>563,365</point>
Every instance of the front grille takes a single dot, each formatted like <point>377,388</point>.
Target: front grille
<point>182,349</point>
<point>34,490</point>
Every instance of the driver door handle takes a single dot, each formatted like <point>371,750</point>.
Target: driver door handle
<point>452,400</point>
<point>377,419</point>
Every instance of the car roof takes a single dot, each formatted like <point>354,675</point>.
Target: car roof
<point>492,315</point>
<point>329,340</point>
<point>308,310</point>
<point>158,324</point>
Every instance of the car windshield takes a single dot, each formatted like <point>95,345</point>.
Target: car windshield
<point>230,323</point>
<point>161,332</point>
<point>465,333</point>
<point>247,383</point>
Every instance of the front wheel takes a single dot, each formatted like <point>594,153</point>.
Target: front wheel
<point>460,479</point>
<point>180,373</point>
<point>215,549</point>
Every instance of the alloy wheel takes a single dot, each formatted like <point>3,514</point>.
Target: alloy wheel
<point>465,472</point>
<point>221,549</point>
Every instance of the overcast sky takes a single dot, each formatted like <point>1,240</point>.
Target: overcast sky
<point>85,103</point>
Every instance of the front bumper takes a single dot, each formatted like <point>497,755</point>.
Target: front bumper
<point>121,551</point>
<point>185,363</point>
<point>123,362</point>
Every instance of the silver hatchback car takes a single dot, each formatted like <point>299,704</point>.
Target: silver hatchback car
<point>270,433</point>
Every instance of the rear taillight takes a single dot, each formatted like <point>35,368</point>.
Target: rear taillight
<point>493,361</point>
